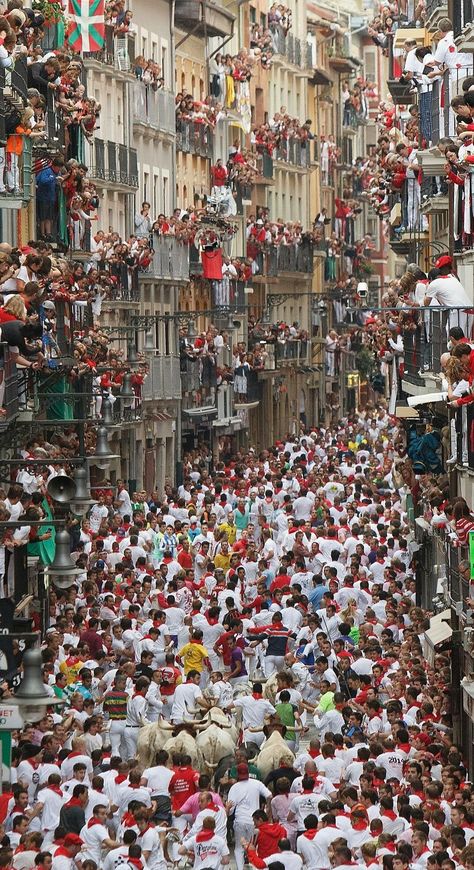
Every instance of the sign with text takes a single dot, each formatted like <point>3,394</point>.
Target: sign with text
<point>10,717</point>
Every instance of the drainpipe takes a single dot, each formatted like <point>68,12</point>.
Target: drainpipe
<point>173,90</point>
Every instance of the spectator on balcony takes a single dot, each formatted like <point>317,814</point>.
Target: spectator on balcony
<point>44,76</point>
<point>447,55</point>
<point>143,222</point>
<point>331,349</point>
<point>217,76</point>
<point>47,187</point>
<point>219,174</point>
<point>447,291</point>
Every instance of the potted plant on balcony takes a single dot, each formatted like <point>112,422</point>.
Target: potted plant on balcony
<point>51,10</point>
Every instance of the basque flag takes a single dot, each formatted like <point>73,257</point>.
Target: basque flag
<point>87,26</point>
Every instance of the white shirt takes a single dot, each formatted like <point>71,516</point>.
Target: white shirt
<point>93,838</point>
<point>158,779</point>
<point>254,710</point>
<point>184,701</point>
<point>245,797</point>
<point>208,853</point>
<point>448,291</point>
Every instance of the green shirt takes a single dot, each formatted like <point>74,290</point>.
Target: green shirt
<point>254,772</point>
<point>286,714</point>
<point>326,702</point>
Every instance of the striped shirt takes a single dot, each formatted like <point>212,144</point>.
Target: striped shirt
<point>115,704</point>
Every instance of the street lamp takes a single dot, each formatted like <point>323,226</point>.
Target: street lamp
<point>103,455</point>
<point>31,696</point>
<point>62,569</point>
<point>82,500</point>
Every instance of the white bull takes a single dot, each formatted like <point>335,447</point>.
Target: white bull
<point>213,744</point>
<point>274,751</point>
<point>151,738</point>
<point>184,743</point>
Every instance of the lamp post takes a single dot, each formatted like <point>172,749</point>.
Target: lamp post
<point>29,704</point>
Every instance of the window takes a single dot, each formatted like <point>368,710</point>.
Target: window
<point>156,193</point>
<point>154,51</point>
<point>370,64</point>
<point>146,187</point>
<point>252,14</point>
<point>144,50</point>
<point>166,198</point>
<point>164,61</point>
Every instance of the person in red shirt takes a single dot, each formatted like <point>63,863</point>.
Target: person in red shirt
<point>184,557</point>
<point>219,174</point>
<point>183,783</point>
<point>221,646</point>
<point>281,580</point>
<point>268,834</point>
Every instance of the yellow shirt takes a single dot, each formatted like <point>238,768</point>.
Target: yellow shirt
<point>222,561</point>
<point>230,531</point>
<point>193,655</point>
<point>71,670</point>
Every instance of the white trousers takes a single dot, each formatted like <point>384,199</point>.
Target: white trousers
<point>117,732</point>
<point>271,664</point>
<point>130,738</point>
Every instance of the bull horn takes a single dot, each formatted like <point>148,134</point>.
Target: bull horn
<point>167,727</point>
<point>201,726</point>
<point>212,766</point>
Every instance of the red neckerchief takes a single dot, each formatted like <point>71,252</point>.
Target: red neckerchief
<point>128,820</point>
<point>360,825</point>
<point>204,836</point>
<point>93,821</point>
<point>33,762</point>
<point>74,754</point>
<point>62,851</point>
<point>136,862</point>
<point>257,695</point>
<point>120,778</point>
<point>314,753</point>
<point>139,694</point>
<point>56,789</point>
<point>389,814</point>
<point>212,806</point>
<point>392,847</point>
<point>404,747</point>
<point>74,802</point>
<point>310,833</point>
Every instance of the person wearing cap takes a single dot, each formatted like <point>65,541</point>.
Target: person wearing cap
<point>243,800</point>
<point>64,855</point>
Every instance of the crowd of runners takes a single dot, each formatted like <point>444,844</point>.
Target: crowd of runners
<point>274,601</point>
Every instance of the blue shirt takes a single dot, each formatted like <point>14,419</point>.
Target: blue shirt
<point>316,596</point>
<point>46,182</point>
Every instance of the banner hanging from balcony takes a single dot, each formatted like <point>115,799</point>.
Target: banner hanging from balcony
<point>87,25</point>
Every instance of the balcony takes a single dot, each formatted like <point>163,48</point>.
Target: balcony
<point>114,163</point>
<point>199,387</point>
<point>242,196</point>
<point>163,382</point>
<point>170,260</point>
<point>295,152</point>
<point>342,62</point>
<point>425,338</point>
<point>288,46</point>
<point>265,169</point>
<point>203,18</point>
<point>193,137</point>
<point>285,258</point>
<point>463,25</point>
<point>435,10</point>
<point>118,53</point>
<point>11,376</point>
<point>418,34</point>
<point>155,109</point>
